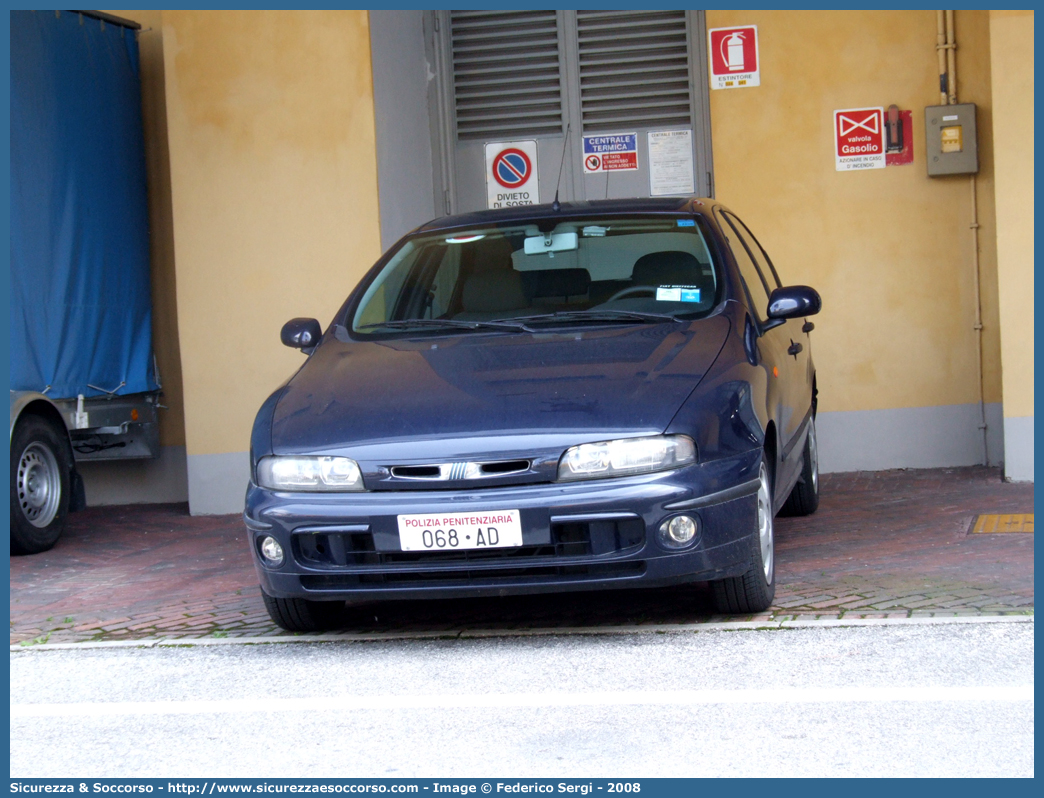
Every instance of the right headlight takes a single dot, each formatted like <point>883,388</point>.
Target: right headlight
<point>626,456</point>
<point>309,473</point>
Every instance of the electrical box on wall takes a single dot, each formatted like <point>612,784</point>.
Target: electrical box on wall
<point>952,144</point>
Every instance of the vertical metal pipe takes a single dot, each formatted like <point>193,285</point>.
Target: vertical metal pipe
<point>940,49</point>
<point>951,59</point>
<point>978,319</point>
<point>946,47</point>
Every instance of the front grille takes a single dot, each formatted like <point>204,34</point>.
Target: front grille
<point>417,472</point>
<point>334,548</point>
<point>460,470</point>
<point>568,539</point>
<point>504,467</point>
<point>473,578</point>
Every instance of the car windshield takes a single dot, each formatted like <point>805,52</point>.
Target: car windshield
<point>626,270</point>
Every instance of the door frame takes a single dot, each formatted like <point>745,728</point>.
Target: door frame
<point>439,54</point>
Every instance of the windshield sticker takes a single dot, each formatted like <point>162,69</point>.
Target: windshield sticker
<point>594,230</point>
<point>677,293</point>
<point>686,223</point>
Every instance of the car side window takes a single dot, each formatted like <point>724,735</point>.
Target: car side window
<point>768,270</point>
<point>757,286</point>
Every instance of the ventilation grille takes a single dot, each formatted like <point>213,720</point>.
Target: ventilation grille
<point>506,73</point>
<point>634,69</point>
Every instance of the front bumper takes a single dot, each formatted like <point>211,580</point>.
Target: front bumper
<point>586,535</point>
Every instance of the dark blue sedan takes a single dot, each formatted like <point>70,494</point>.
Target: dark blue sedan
<point>542,398</point>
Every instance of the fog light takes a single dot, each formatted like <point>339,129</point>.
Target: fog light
<point>272,551</point>
<point>678,531</point>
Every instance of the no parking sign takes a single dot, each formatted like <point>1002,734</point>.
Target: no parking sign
<point>511,174</point>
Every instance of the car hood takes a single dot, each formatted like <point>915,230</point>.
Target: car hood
<point>433,396</point>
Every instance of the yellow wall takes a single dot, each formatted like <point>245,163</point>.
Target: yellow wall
<point>273,197</point>
<point>274,184</point>
<point>1011,33</point>
<point>161,226</point>
<point>890,250</point>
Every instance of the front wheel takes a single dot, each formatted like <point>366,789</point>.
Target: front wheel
<point>40,479</point>
<point>302,615</point>
<point>754,590</point>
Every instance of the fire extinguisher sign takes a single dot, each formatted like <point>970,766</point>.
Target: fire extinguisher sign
<point>734,58</point>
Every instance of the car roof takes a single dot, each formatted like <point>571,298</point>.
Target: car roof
<point>526,213</point>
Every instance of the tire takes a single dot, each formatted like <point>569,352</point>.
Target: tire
<point>753,591</point>
<point>41,465</point>
<point>804,497</point>
<point>302,615</point>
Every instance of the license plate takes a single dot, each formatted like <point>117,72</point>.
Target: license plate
<point>496,529</point>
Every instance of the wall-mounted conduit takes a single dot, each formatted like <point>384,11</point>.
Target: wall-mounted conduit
<point>946,49</point>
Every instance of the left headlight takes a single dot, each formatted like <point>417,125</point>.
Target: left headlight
<point>626,456</point>
<point>309,473</point>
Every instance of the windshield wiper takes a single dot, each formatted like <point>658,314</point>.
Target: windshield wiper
<point>450,324</point>
<point>520,323</point>
<point>597,315</point>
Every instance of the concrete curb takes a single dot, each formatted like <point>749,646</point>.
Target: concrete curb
<point>472,634</point>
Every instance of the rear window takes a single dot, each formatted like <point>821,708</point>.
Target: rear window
<point>652,265</point>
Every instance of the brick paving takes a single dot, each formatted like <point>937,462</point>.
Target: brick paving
<point>883,544</point>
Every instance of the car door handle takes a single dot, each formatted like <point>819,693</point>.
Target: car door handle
<point>794,348</point>
<point>807,327</point>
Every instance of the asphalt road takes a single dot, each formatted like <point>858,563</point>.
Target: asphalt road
<point>910,700</point>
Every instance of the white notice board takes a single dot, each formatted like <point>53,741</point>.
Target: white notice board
<point>670,162</point>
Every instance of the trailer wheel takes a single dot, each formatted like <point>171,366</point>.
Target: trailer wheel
<point>40,469</point>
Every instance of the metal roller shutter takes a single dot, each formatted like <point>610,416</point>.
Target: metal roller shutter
<point>547,79</point>
<point>634,69</point>
<point>506,73</point>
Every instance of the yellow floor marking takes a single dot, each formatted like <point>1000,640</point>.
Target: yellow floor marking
<point>990,524</point>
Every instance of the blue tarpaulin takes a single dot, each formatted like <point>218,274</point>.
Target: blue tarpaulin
<point>81,305</point>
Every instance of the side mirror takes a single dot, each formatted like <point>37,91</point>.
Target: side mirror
<point>301,333</point>
<point>794,302</point>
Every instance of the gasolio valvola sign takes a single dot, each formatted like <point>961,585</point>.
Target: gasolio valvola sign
<point>859,139</point>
